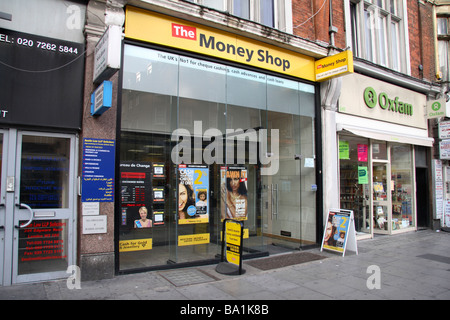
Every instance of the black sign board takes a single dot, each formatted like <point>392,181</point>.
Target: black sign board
<point>41,80</point>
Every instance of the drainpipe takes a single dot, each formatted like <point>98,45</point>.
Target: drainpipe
<point>332,29</point>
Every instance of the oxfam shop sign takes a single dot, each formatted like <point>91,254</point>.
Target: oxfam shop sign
<point>385,102</point>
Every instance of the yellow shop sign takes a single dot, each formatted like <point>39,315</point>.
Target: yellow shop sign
<point>335,65</point>
<point>156,28</point>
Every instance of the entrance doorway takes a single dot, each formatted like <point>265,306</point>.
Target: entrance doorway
<point>37,205</point>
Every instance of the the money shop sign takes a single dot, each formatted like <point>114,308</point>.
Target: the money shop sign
<point>160,29</point>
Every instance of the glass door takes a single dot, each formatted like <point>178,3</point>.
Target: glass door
<point>283,183</point>
<point>381,194</point>
<point>39,206</point>
<point>288,172</point>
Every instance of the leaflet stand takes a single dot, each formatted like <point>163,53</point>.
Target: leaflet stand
<point>339,222</point>
<point>232,235</point>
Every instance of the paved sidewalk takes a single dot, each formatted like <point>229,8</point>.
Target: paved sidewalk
<point>412,266</point>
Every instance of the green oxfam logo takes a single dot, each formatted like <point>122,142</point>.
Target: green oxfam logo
<point>436,106</point>
<point>372,99</point>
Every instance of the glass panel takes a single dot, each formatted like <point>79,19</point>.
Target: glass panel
<point>215,4</point>
<point>201,113</point>
<point>379,150</point>
<point>444,59</point>
<point>402,187</point>
<point>149,116</point>
<point>241,8</point>
<point>395,46</point>
<point>382,47</point>
<point>369,37</point>
<point>380,213</point>
<point>44,177</point>
<point>267,13</point>
<point>442,26</point>
<point>43,247</point>
<point>246,96</point>
<point>355,179</point>
<point>393,6</point>
<point>355,29</point>
<point>380,197</point>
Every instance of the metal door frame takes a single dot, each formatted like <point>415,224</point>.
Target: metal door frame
<point>14,211</point>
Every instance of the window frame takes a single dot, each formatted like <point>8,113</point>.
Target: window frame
<point>443,38</point>
<point>282,20</point>
<point>369,43</point>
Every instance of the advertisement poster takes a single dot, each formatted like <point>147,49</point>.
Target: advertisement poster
<point>234,202</point>
<point>136,194</point>
<point>362,152</point>
<point>193,194</point>
<point>363,175</point>
<point>344,150</point>
<point>339,229</point>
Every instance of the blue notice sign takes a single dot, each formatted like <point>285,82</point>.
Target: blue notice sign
<point>98,170</point>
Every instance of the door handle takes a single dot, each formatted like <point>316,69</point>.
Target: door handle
<point>276,201</point>
<point>23,205</point>
<point>1,206</point>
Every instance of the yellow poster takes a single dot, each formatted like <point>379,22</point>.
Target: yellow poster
<point>135,245</point>
<point>193,239</point>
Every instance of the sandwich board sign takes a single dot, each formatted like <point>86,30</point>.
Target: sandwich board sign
<point>232,236</point>
<point>339,233</point>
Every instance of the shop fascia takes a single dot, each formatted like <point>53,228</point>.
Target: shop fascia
<point>371,100</point>
<point>157,28</point>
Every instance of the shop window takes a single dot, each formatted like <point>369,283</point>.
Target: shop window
<point>164,94</point>
<point>355,179</point>
<point>378,32</point>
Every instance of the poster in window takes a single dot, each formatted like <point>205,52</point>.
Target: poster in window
<point>136,194</point>
<point>344,150</point>
<point>363,152</point>
<point>234,202</point>
<point>193,194</point>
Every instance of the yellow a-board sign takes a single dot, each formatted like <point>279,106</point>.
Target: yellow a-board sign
<point>333,66</point>
<point>233,236</point>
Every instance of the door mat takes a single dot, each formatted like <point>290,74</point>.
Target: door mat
<point>284,260</point>
<point>184,277</point>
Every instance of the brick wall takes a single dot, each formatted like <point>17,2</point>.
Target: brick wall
<point>421,39</point>
<point>316,28</point>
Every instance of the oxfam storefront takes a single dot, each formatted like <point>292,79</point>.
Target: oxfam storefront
<point>213,126</point>
<point>382,138</point>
